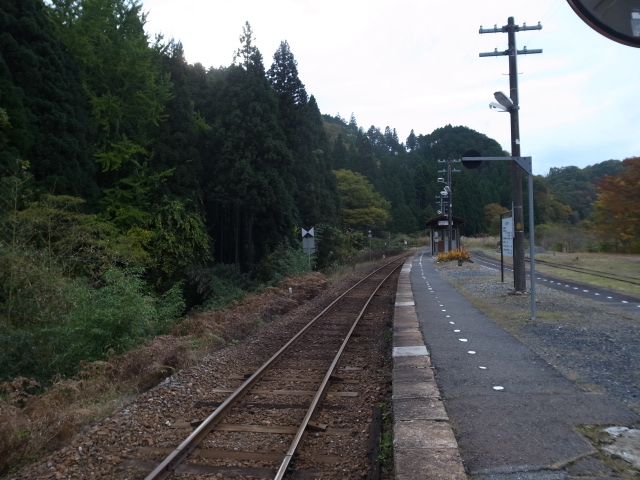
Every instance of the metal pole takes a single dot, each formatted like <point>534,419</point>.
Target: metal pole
<point>519,273</point>
<point>450,196</point>
<point>501,253</point>
<point>532,255</point>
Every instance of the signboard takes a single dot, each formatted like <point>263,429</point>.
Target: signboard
<point>443,222</point>
<point>308,241</point>
<point>507,237</point>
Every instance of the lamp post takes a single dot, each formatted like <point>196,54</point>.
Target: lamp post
<point>510,104</point>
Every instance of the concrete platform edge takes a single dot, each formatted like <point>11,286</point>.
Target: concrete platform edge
<point>425,447</point>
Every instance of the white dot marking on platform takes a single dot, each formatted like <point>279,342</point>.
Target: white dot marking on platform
<point>482,368</point>
<point>456,331</point>
<point>463,339</point>
<point>498,387</point>
<point>471,352</point>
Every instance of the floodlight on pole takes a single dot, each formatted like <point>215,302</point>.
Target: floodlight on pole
<point>505,101</point>
<point>498,107</point>
<point>511,104</point>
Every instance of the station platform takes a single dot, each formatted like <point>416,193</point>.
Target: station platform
<point>471,401</point>
<point>424,444</point>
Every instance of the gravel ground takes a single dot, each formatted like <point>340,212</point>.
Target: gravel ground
<point>594,345</point>
<point>157,419</point>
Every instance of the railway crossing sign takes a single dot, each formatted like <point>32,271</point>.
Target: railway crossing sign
<point>308,241</point>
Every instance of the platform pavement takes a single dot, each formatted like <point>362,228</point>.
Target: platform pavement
<point>425,447</point>
<point>514,415</point>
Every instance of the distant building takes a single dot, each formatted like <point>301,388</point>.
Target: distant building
<point>439,230</point>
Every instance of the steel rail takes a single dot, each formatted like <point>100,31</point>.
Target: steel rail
<point>175,458</point>
<point>588,271</point>
<point>325,382</point>
<point>572,268</point>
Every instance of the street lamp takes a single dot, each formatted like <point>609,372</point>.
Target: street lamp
<point>506,104</point>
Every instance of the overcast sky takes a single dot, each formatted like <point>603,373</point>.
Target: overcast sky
<point>414,64</point>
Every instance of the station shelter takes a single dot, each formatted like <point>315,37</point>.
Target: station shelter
<point>439,232</point>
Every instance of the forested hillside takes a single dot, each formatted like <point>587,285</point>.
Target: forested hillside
<point>135,186</point>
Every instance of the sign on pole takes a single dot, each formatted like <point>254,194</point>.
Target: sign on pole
<point>308,241</point>
<point>507,237</point>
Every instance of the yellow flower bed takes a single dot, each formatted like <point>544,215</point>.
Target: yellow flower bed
<point>458,254</point>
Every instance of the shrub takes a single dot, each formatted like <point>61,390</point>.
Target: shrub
<point>113,318</point>
<point>97,322</point>
<point>219,285</point>
<point>286,261</point>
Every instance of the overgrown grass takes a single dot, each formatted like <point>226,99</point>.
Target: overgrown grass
<point>611,263</point>
<point>489,243</point>
<point>620,264</point>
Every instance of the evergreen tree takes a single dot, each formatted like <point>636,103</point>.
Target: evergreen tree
<point>391,141</point>
<point>363,161</point>
<point>41,92</point>
<point>247,165</point>
<point>127,94</point>
<point>121,74</point>
<point>412,141</point>
<point>339,154</point>
<point>315,196</point>
<point>180,237</point>
<point>284,79</point>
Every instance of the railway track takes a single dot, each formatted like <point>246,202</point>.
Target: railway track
<point>299,413</point>
<point>627,302</point>
<point>588,271</point>
<point>572,268</point>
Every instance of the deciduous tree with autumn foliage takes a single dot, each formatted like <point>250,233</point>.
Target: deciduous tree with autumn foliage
<point>618,208</point>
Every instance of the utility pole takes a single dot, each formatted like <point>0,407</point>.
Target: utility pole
<point>519,273</point>
<point>449,195</point>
